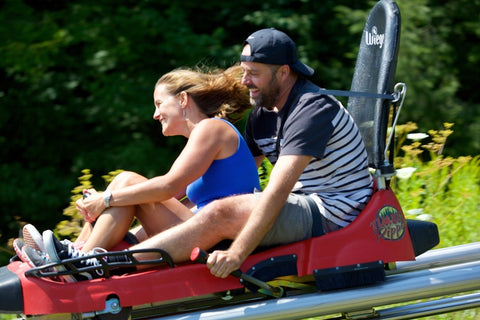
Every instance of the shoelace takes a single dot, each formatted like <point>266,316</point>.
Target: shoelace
<point>43,255</point>
<point>74,252</point>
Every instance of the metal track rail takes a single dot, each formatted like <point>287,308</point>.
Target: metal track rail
<point>448,275</point>
<point>434,307</point>
<point>440,257</point>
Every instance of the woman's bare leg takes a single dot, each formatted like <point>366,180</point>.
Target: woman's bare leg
<point>112,225</point>
<point>139,233</point>
<point>158,217</point>
<point>85,233</point>
<point>110,228</point>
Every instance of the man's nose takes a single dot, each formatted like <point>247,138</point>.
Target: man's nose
<point>246,79</point>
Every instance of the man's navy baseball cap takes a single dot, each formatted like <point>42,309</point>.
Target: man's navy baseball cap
<point>272,46</point>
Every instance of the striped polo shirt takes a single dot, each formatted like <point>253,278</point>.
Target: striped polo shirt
<point>317,125</point>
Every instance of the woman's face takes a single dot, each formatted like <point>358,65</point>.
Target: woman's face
<point>168,111</point>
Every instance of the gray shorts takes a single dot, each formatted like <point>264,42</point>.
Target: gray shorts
<point>293,224</point>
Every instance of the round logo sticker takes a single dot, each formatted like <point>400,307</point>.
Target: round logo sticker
<point>389,224</point>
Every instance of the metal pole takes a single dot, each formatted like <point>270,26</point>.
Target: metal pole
<point>440,257</point>
<point>399,288</point>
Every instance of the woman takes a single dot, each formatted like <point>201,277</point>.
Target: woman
<point>214,163</point>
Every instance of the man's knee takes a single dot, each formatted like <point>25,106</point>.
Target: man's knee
<point>233,208</point>
<point>214,211</point>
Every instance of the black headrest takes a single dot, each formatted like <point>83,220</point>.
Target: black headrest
<point>374,73</point>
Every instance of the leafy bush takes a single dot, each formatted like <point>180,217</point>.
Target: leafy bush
<point>442,189</point>
<point>71,228</point>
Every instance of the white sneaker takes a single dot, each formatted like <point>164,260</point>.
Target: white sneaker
<point>18,245</point>
<point>33,238</point>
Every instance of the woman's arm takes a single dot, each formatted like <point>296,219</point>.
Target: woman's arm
<point>210,139</point>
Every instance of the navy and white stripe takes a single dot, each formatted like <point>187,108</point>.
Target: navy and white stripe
<point>340,180</point>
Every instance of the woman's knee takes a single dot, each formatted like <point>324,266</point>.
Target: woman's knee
<point>126,178</point>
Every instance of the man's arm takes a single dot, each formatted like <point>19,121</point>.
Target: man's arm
<point>283,177</point>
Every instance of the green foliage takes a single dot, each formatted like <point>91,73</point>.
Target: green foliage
<point>71,228</point>
<point>435,62</point>
<point>442,189</point>
<point>439,68</point>
<point>264,173</point>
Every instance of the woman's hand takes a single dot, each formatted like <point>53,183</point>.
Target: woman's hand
<point>91,206</point>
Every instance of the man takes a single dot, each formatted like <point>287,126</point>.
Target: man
<point>319,182</point>
<point>316,149</point>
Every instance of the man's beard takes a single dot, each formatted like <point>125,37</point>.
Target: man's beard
<point>268,97</point>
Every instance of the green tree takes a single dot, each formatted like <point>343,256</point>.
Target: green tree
<point>77,79</point>
<point>439,61</point>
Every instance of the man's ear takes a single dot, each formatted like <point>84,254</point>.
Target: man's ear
<point>284,71</point>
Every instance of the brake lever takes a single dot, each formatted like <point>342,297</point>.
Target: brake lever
<point>200,256</point>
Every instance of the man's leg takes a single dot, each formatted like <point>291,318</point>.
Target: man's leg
<point>221,219</point>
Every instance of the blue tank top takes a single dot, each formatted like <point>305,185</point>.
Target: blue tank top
<point>236,174</point>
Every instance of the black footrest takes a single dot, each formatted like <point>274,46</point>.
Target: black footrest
<point>349,276</point>
<point>71,265</point>
<point>424,235</point>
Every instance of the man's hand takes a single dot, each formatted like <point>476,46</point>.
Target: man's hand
<point>222,263</point>
<point>284,175</point>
